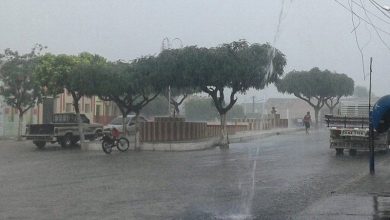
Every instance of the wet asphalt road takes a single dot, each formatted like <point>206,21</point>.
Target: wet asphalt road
<point>273,178</point>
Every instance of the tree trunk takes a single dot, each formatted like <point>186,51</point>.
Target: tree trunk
<point>224,139</point>
<point>177,111</point>
<point>80,124</point>
<point>331,110</point>
<point>316,112</point>
<point>20,128</point>
<point>137,133</point>
<point>124,125</point>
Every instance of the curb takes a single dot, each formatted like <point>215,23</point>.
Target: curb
<point>263,135</point>
<point>190,146</point>
<point>209,143</point>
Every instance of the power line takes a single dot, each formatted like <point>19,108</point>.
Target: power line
<point>377,32</point>
<point>357,40</point>
<point>369,12</point>
<point>371,24</point>
<point>379,7</point>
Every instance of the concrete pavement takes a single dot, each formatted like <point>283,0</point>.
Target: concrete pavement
<point>364,196</point>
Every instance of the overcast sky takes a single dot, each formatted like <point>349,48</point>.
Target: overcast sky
<point>312,32</point>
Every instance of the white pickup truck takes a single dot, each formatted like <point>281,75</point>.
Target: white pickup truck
<point>63,129</point>
<point>352,132</point>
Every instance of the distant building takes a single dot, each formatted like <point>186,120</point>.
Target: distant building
<point>96,110</point>
<point>292,108</point>
<point>353,106</point>
<point>253,108</point>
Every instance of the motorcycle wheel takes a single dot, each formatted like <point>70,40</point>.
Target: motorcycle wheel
<point>123,144</point>
<point>107,146</point>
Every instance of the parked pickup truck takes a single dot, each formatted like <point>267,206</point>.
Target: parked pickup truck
<point>351,133</point>
<point>63,129</point>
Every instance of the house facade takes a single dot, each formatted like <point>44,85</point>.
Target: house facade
<point>96,110</point>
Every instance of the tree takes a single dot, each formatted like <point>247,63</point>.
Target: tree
<point>362,92</point>
<point>19,87</point>
<point>177,97</point>
<point>58,73</point>
<point>314,87</point>
<point>203,109</point>
<point>200,109</point>
<point>341,85</point>
<point>157,107</point>
<point>131,86</point>
<point>237,66</point>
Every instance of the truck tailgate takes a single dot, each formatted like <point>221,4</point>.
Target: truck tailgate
<point>40,129</point>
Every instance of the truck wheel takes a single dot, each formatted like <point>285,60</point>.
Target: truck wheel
<point>352,152</point>
<point>67,140</point>
<point>74,141</point>
<point>339,151</point>
<point>40,144</point>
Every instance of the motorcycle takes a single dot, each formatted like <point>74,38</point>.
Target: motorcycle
<point>112,139</point>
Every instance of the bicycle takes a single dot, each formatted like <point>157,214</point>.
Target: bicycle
<point>112,139</point>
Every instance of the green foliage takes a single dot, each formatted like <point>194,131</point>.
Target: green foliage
<point>73,73</point>
<point>157,107</point>
<point>238,66</point>
<point>130,85</point>
<point>202,109</point>
<point>178,95</point>
<point>19,86</point>
<point>316,87</point>
<point>341,85</point>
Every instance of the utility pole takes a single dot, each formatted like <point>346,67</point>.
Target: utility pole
<point>169,101</point>
<point>167,44</point>
<point>371,129</point>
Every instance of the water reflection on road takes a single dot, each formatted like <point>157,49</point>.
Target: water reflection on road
<point>272,178</point>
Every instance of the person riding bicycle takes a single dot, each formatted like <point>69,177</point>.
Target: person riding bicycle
<point>307,122</point>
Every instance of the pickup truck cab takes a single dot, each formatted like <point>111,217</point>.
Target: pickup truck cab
<point>63,130</point>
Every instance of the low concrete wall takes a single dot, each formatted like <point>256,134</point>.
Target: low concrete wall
<point>201,144</point>
<point>176,131</point>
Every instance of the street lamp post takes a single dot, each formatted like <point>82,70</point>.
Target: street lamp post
<point>371,130</point>
<point>167,44</point>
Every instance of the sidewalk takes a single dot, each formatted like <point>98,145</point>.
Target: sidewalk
<point>365,197</point>
<point>205,143</point>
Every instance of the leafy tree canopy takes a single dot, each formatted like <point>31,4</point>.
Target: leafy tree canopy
<point>202,109</point>
<point>19,87</point>
<point>237,65</point>
<point>73,73</point>
<point>316,86</point>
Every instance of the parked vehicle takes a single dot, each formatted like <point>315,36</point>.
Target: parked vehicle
<point>352,133</point>
<point>112,139</point>
<point>130,123</point>
<point>63,130</point>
